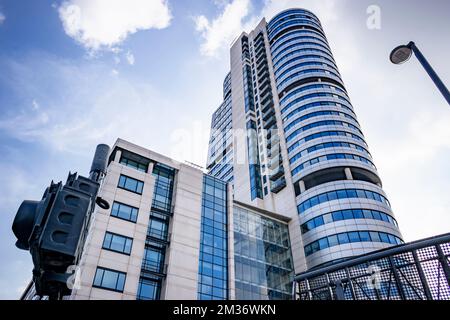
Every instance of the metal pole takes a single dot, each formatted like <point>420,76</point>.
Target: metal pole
<point>429,69</point>
<point>422,276</point>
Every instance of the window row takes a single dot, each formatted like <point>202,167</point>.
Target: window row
<point>289,15</point>
<point>340,195</point>
<point>302,73</point>
<point>295,33</point>
<point>286,24</point>
<point>304,88</point>
<point>313,96</point>
<point>327,145</point>
<point>298,55</point>
<point>317,114</point>
<point>282,45</point>
<point>325,134</point>
<point>351,237</point>
<point>301,65</point>
<point>301,57</point>
<point>322,124</point>
<point>331,157</point>
<point>142,167</point>
<point>213,268</point>
<point>300,45</point>
<point>350,214</point>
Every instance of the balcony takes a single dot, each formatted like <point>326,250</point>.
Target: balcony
<point>273,141</point>
<point>265,93</point>
<point>265,83</point>
<point>261,62</point>
<point>275,162</point>
<point>266,115</point>
<point>278,185</point>
<point>277,173</point>
<point>153,267</point>
<point>266,105</point>
<point>263,75</point>
<point>270,122</point>
<point>260,49</point>
<point>266,97</point>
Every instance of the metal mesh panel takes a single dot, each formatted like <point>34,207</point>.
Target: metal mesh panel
<point>411,284</point>
<point>359,270</point>
<point>436,280</point>
<point>446,248</point>
<point>392,274</point>
<point>403,259</point>
<point>427,253</point>
<point>318,282</point>
<point>338,275</point>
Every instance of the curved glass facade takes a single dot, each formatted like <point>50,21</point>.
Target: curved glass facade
<point>322,132</point>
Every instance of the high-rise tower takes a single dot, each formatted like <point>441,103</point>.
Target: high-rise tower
<point>304,155</point>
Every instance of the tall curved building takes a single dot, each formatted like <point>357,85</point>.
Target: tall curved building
<point>305,157</point>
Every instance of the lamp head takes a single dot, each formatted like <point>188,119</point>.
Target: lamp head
<point>401,54</point>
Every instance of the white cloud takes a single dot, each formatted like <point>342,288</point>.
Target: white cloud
<point>2,17</point>
<point>87,104</point>
<point>35,105</point>
<point>130,58</point>
<point>218,33</point>
<point>236,17</point>
<point>104,24</point>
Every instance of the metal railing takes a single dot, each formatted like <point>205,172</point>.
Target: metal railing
<point>414,271</point>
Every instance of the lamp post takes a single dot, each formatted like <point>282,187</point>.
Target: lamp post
<point>403,53</point>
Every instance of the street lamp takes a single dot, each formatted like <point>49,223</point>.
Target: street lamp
<point>403,53</point>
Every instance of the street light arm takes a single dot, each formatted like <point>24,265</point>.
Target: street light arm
<point>429,69</point>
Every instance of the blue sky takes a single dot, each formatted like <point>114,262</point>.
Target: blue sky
<point>80,72</point>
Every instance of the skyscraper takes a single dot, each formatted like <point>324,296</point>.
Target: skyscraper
<point>304,155</point>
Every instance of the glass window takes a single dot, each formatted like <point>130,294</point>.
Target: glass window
<point>323,198</point>
<point>343,238</point>
<point>367,214</point>
<point>117,243</point>
<point>392,239</point>
<point>323,243</point>
<point>153,259</point>
<point>348,214</point>
<point>351,194</point>
<point>375,236</point>
<point>384,237</point>
<point>133,164</point>
<point>319,221</point>
<point>342,194</point>
<point>376,215</point>
<point>148,289</point>
<point>337,216</point>
<point>354,236</point>
<point>157,229</point>
<point>125,212</point>
<point>364,236</point>
<point>109,279</point>
<point>358,214</point>
<point>327,218</point>
<point>131,184</point>
<point>332,196</point>
<point>333,241</point>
